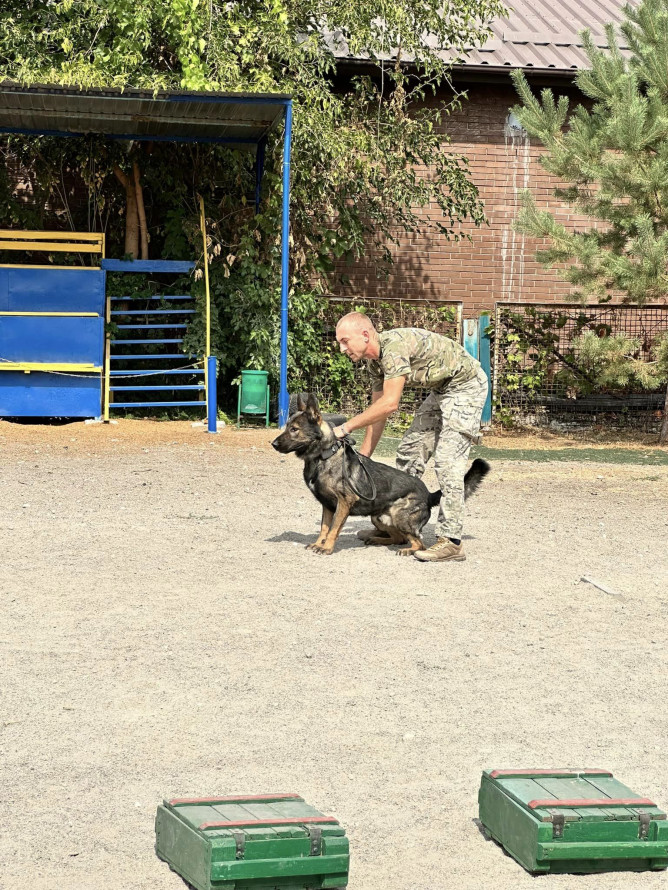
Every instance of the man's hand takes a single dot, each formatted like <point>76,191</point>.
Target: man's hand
<point>374,418</point>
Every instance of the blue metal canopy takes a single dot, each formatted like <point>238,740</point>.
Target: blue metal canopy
<point>241,120</point>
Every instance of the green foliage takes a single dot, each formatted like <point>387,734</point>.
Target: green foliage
<point>613,155</point>
<point>613,158</point>
<point>105,42</point>
<point>556,353</point>
<point>529,341</point>
<point>608,358</point>
<point>357,146</point>
<point>614,361</point>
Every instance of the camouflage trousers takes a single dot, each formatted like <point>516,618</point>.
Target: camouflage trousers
<point>445,426</point>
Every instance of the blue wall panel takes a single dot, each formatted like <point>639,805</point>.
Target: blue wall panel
<point>42,394</point>
<point>51,339</point>
<point>52,290</point>
<point>44,338</point>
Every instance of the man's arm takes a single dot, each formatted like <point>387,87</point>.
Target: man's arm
<point>382,405</point>
<point>374,431</point>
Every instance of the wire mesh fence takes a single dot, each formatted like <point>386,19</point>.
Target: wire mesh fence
<point>539,377</point>
<point>344,387</point>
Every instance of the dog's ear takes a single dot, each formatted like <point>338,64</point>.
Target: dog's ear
<point>301,404</point>
<point>312,406</point>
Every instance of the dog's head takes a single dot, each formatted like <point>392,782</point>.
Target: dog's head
<point>304,429</point>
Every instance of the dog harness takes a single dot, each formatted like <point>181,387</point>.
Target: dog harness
<point>347,443</point>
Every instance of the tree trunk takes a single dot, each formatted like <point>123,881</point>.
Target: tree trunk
<point>143,231</point>
<point>131,216</point>
<point>663,435</point>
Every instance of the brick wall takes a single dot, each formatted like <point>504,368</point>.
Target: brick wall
<point>499,263</point>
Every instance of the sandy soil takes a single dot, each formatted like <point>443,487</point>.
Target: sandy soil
<point>164,633</point>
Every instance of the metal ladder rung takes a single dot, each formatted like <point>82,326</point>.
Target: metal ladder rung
<point>193,386</point>
<point>163,297</point>
<point>122,312</point>
<point>153,342</point>
<point>129,356</point>
<point>192,403</point>
<point>156,372</point>
<point>149,327</point>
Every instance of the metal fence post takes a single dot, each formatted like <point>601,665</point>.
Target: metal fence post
<point>471,336</point>
<point>211,394</point>
<point>283,395</point>
<point>485,358</point>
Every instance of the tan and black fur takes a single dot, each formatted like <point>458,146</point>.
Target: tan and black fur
<point>401,506</point>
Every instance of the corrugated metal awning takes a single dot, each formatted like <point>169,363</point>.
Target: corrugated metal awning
<point>236,118</point>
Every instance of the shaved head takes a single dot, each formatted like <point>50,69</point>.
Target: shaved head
<point>357,337</point>
<point>357,322</point>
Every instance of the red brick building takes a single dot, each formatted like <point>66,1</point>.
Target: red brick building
<point>543,39</point>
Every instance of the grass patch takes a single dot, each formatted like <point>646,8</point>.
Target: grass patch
<point>387,447</point>
<point>653,456</point>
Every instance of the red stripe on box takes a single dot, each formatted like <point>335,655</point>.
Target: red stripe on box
<point>548,772</point>
<point>262,798</point>
<point>270,823</point>
<point>600,802</point>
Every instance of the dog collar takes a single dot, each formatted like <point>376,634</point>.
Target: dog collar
<point>331,451</point>
<point>337,446</point>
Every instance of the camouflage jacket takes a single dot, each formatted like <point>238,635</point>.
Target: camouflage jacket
<point>425,359</point>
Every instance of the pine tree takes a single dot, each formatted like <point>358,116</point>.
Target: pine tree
<point>612,155</point>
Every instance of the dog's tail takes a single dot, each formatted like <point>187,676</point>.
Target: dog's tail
<point>434,498</point>
<point>476,473</point>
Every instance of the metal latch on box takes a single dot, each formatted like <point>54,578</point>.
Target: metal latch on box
<point>558,825</point>
<point>643,831</point>
<point>315,834</point>
<point>240,841</point>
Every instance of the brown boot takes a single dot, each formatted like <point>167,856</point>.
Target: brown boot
<point>442,549</point>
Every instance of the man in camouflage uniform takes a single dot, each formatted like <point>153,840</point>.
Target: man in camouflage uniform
<point>445,425</point>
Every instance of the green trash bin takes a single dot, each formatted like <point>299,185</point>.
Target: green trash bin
<point>253,395</point>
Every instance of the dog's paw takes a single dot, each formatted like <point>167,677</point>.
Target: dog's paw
<point>318,548</point>
<point>405,551</point>
<point>315,545</point>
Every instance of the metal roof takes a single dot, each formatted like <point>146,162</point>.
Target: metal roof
<point>539,35</point>
<point>544,35</point>
<point>236,118</point>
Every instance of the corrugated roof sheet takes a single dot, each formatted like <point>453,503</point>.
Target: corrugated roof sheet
<point>539,35</point>
<point>545,35</point>
<point>241,119</point>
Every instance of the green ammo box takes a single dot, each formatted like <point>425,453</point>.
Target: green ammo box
<point>264,842</point>
<point>574,821</point>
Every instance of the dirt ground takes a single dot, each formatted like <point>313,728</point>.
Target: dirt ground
<point>164,633</point>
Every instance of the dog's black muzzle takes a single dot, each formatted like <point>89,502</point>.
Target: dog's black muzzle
<point>287,445</point>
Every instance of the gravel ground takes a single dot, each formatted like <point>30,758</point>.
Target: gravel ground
<point>164,633</point>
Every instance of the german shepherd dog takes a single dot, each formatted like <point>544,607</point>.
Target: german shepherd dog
<point>349,484</point>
